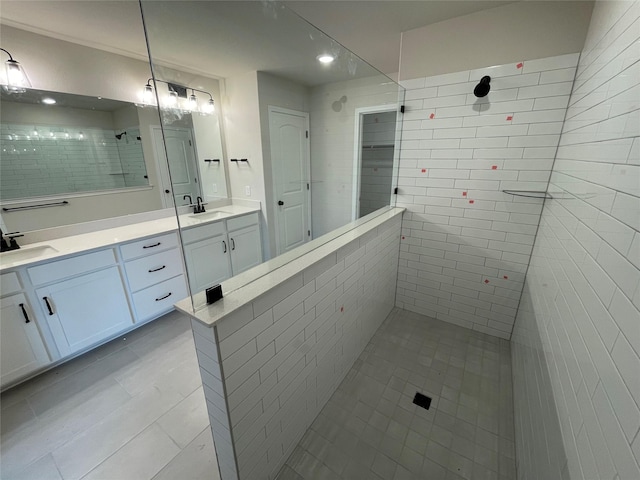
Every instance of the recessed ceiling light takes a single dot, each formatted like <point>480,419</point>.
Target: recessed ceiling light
<point>48,101</point>
<point>325,58</point>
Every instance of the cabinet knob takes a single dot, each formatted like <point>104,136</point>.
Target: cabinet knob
<point>280,202</point>
<point>167,191</point>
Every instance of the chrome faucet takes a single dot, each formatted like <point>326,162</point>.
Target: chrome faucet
<point>8,241</point>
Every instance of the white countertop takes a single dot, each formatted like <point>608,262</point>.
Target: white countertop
<point>75,244</point>
<point>246,287</point>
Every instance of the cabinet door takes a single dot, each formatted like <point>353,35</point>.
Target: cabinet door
<point>21,348</point>
<point>84,310</point>
<point>246,249</point>
<point>207,262</point>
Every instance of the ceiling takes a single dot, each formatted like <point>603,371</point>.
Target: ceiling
<point>250,39</point>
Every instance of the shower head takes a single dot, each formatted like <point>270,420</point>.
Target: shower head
<point>119,135</point>
<point>482,89</point>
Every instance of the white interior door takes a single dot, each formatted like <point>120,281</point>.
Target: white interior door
<point>288,132</point>
<point>181,156</point>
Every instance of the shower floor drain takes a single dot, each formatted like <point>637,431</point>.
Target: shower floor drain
<point>422,400</point>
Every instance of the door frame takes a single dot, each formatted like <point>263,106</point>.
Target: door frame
<point>305,115</point>
<point>357,151</point>
<point>164,175</point>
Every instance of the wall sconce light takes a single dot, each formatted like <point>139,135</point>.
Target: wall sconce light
<point>192,103</point>
<point>172,99</point>
<point>17,80</point>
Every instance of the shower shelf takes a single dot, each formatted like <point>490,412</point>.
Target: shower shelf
<point>529,193</point>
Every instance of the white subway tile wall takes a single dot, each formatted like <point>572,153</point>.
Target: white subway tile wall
<point>283,355</point>
<point>576,341</point>
<point>466,244</point>
<point>211,375</point>
<point>43,160</point>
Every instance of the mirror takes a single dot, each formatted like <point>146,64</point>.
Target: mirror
<point>97,96</point>
<point>315,124</point>
<point>56,144</point>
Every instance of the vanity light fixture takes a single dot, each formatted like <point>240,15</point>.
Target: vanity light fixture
<point>17,80</point>
<point>325,58</point>
<point>175,93</point>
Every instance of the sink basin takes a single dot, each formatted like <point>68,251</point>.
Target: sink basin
<point>27,253</point>
<point>213,214</point>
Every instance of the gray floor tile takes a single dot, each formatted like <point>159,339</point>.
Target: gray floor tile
<point>467,432</point>
<point>142,457</point>
<point>78,414</point>
<point>197,461</point>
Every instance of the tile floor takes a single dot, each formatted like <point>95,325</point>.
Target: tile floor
<point>131,409</point>
<point>134,409</point>
<point>370,428</point>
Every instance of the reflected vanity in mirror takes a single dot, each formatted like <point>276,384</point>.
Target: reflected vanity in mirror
<point>310,129</point>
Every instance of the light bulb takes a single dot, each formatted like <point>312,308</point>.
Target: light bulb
<point>325,58</point>
<point>209,107</point>
<point>147,94</point>
<point>172,98</point>
<point>35,133</point>
<point>81,136</point>
<point>192,103</point>
<point>17,81</point>
<point>48,101</point>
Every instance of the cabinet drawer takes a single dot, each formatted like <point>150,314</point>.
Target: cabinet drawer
<point>242,222</point>
<point>159,298</point>
<point>153,269</point>
<point>149,246</point>
<point>201,232</point>
<point>9,283</point>
<point>50,272</point>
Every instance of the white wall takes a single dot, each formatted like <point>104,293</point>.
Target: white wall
<point>466,244</point>
<point>243,140</point>
<point>332,145</point>
<point>576,342</point>
<point>505,34</point>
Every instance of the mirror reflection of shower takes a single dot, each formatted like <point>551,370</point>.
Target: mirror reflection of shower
<point>376,161</point>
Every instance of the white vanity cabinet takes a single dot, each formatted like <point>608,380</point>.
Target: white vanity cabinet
<point>83,301</point>
<point>22,350</point>
<point>217,251</point>
<point>245,244</point>
<point>154,273</point>
<point>206,251</point>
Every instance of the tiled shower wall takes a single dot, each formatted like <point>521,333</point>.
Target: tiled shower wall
<point>44,160</point>
<point>576,342</point>
<point>283,355</point>
<point>466,244</point>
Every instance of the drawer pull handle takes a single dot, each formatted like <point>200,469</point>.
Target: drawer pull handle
<point>162,298</point>
<point>151,246</point>
<point>233,244</point>
<point>46,300</point>
<point>24,313</point>
<point>224,245</point>
<point>157,269</point>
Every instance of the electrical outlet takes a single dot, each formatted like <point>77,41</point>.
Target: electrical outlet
<point>247,191</point>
